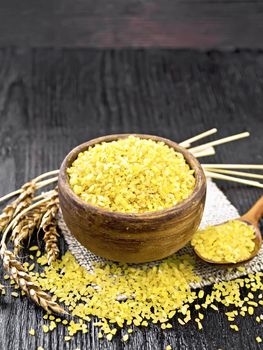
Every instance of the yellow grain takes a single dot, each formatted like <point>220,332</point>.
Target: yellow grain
<point>201,294</point>
<point>230,242</point>
<point>258,339</point>
<point>131,175</point>
<point>31,267</point>
<point>250,310</point>
<point>234,327</point>
<point>52,325</point>
<point>109,336</point>
<point>125,337</point>
<point>31,331</point>
<point>45,328</point>
<point>33,248</point>
<point>154,293</point>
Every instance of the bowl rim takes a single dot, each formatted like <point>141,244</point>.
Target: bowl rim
<point>200,185</point>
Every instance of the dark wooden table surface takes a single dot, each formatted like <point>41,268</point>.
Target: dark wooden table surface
<point>137,23</point>
<point>52,100</point>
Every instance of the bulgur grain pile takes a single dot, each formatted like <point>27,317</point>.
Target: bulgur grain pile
<point>230,242</point>
<point>122,295</point>
<point>131,175</point>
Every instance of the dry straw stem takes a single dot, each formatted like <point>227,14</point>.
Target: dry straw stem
<point>17,272</point>
<point>234,166</point>
<point>20,203</point>
<point>210,151</point>
<point>49,226</point>
<point>188,142</point>
<point>44,195</point>
<point>219,142</point>
<point>25,227</point>
<point>238,173</point>
<point>234,179</point>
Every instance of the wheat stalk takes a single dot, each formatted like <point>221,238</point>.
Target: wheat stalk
<point>36,179</point>
<point>25,227</point>
<point>15,207</point>
<point>49,226</point>
<point>21,277</point>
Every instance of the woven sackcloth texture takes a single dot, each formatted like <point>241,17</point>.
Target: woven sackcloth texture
<point>217,210</point>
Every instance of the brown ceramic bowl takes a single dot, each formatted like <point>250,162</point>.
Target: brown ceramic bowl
<point>132,238</point>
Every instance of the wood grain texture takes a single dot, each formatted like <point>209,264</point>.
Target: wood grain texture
<point>53,100</point>
<point>133,23</point>
<point>128,237</point>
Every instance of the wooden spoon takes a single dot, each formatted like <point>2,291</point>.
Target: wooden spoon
<point>252,218</point>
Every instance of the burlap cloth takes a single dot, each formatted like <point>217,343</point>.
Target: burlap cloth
<point>217,210</point>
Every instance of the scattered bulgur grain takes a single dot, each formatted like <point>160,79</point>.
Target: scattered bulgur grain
<point>52,325</point>
<point>250,310</point>
<point>214,307</point>
<point>234,327</point>
<point>31,331</point>
<point>147,300</point>
<point>45,328</point>
<point>201,294</point>
<point>125,337</point>
<point>109,336</point>
<point>31,267</point>
<point>33,248</point>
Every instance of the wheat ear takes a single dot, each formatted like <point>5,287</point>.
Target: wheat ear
<point>21,277</point>
<point>15,207</point>
<point>49,226</point>
<point>25,227</point>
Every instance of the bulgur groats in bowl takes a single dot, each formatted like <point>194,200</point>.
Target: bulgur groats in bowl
<point>131,175</point>
<point>132,198</point>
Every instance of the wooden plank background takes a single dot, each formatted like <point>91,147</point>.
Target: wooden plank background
<point>52,100</point>
<point>201,24</point>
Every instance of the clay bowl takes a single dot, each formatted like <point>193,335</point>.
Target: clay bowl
<point>132,238</point>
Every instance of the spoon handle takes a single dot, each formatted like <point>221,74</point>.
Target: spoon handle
<point>255,213</point>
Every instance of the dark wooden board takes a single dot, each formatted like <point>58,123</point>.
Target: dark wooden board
<point>133,23</point>
<point>53,100</point>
